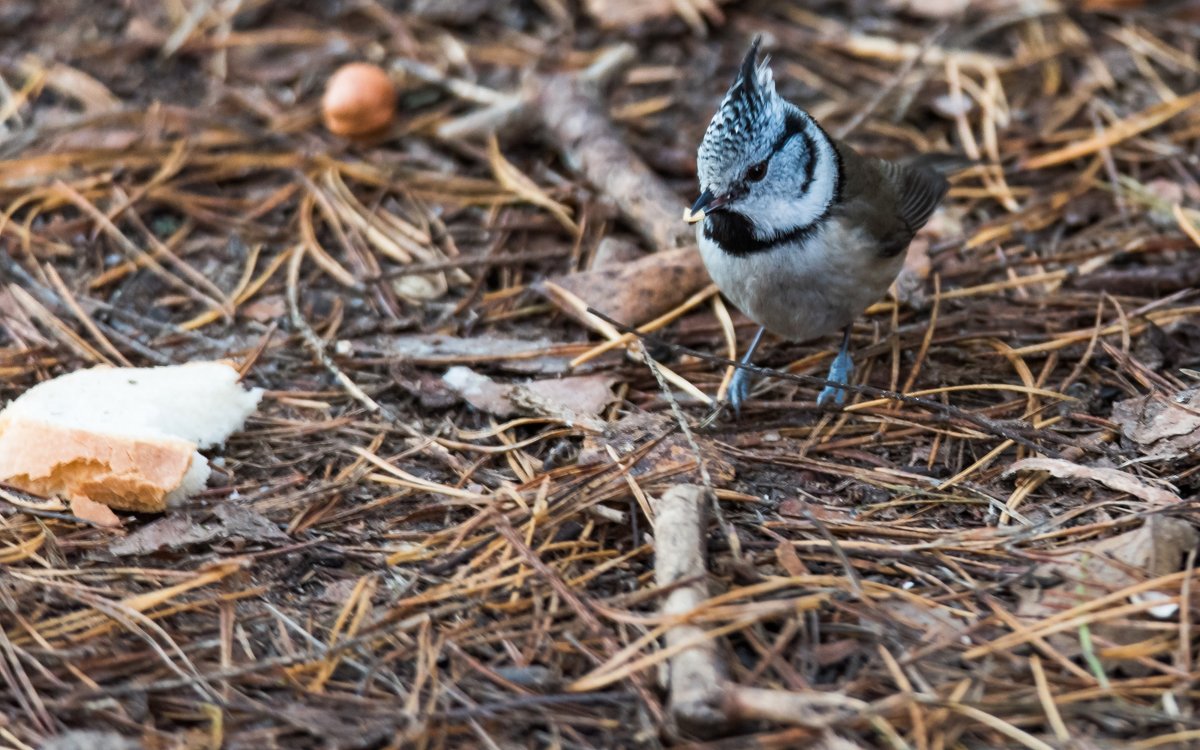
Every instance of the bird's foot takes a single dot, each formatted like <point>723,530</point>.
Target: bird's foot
<point>739,391</point>
<point>839,372</point>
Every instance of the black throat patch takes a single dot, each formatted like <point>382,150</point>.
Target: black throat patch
<point>734,233</point>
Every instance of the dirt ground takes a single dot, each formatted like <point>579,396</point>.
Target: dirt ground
<point>429,537</point>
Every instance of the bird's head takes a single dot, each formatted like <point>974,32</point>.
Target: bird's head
<point>763,159</point>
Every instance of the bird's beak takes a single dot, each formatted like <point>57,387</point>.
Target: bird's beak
<point>705,204</point>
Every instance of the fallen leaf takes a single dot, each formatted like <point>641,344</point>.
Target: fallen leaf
<point>511,354</point>
<point>264,309</point>
<point>98,513</point>
<point>1161,427</point>
<point>1121,481</point>
<point>238,522</point>
<point>182,530</point>
<point>911,287</point>
<point>172,532</point>
<point>828,653</point>
<point>1157,548</point>
<point>636,292</point>
<point>574,400</point>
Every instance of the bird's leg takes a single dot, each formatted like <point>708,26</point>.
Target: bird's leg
<point>839,372</point>
<point>739,386</point>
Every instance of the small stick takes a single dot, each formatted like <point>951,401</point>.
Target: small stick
<point>316,346</point>
<point>569,109</point>
<point>735,543</point>
<point>701,698</point>
<point>697,676</point>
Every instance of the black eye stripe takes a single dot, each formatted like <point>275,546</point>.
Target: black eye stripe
<point>793,125</point>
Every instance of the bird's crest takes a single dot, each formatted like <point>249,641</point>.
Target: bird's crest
<point>749,103</point>
<point>747,112</point>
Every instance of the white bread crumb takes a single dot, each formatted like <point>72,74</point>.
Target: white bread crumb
<point>126,437</point>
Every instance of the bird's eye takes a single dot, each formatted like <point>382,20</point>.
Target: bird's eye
<point>756,172</point>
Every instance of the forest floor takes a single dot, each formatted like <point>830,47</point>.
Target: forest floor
<point>427,537</point>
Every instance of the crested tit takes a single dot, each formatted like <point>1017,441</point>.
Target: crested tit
<point>797,229</point>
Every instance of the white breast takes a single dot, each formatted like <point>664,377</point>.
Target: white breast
<point>806,289</point>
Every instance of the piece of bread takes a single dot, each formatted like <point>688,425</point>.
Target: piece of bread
<point>125,437</point>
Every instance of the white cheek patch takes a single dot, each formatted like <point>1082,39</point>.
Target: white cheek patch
<point>779,213</point>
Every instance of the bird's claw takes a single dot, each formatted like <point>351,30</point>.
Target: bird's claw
<point>739,391</point>
<point>839,372</point>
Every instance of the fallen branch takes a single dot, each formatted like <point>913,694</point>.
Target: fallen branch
<point>702,700</point>
<point>696,675</point>
<point>568,108</point>
<point>574,116</point>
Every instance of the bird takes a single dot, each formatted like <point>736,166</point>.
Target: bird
<point>796,228</point>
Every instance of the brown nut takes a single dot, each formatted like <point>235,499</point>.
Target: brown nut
<point>359,99</point>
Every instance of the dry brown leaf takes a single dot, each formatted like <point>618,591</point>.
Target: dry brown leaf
<point>265,309</point>
<point>511,354</point>
<point>636,292</point>
<point>182,530</point>
<point>1121,481</point>
<point>574,400</point>
<point>98,513</point>
<point>911,286</point>
<point>1161,427</point>
<point>1155,549</point>
<point>172,532</point>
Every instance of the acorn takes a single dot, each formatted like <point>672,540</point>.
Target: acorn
<point>360,99</point>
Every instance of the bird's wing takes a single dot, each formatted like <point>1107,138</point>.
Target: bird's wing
<point>919,188</point>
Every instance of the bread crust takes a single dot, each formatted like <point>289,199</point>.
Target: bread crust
<point>124,472</point>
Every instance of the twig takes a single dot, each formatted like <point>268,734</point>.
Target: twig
<point>316,346</point>
<point>702,699</point>
<point>696,674</point>
<point>735,545</point>
<point>568,107</point>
